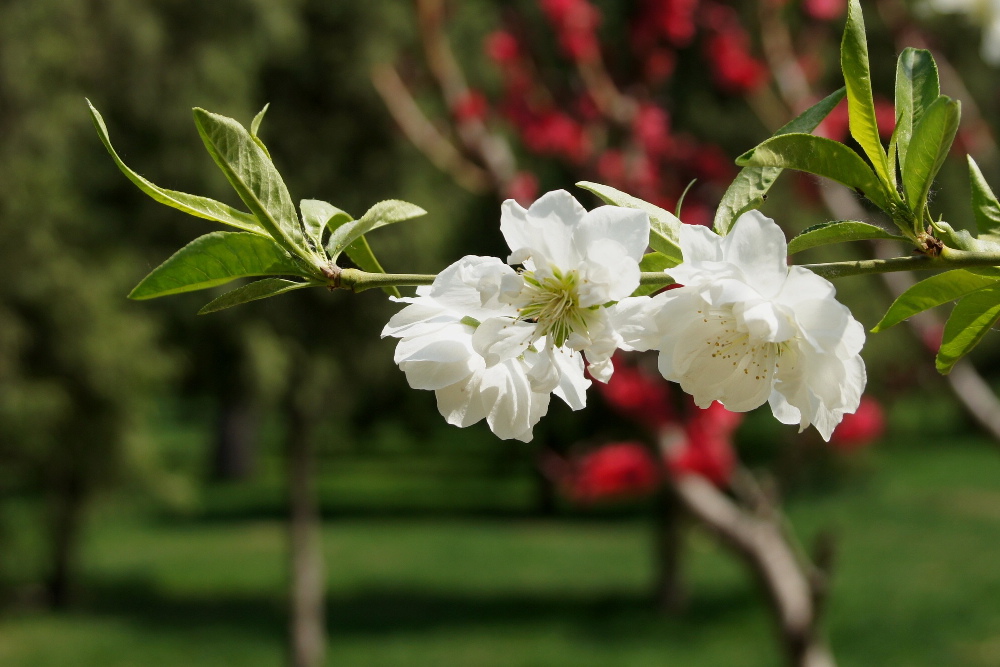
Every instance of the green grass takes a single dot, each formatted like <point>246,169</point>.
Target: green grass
<point>917,584</point>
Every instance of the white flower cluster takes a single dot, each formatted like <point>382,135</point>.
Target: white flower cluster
<point>494,342</point>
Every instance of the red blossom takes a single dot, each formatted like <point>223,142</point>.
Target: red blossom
<point>825,10</point>
<point>556,133</point>
<point>659,65</point>
<point>735,70</point>
<point>651,127</point>
<point>860,429</point>
<point>575,22</point>
<point>621,469</point>
<point>470,106</point>
<point>523,188</point>
<point>703,446</point>
<point>637,395</point>
<point>502,47</point>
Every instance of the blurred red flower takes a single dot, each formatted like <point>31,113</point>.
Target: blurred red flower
<point>621,469</point>
<point>860,429</point>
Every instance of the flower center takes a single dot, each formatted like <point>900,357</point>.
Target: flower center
<point>552,303</point>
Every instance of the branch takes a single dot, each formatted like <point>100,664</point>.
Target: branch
<point>422,133</point>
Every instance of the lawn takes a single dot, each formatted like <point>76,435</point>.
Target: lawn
<point>917,584</point>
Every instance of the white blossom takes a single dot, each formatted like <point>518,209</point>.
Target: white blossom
<point>574,263</point>
<point>435,351</point>
<point>746,328</point>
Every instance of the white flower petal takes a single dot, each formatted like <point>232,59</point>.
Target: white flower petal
<point>633,319</point>
<point>544,231</point>
<point>501,338</point>
<point>625,226</point>
<point>757,245</point>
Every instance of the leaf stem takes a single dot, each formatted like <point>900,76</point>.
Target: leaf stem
<point>359,281</point>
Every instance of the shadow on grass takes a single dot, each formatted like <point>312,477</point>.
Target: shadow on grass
<point>380,611</point>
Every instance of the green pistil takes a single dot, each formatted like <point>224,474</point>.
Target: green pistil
<point>554,305</point>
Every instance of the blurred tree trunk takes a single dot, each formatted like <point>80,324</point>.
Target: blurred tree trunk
<point>669,592</point>
<point>307,584</point>
<point>66,516</point>
<point>234,454</point>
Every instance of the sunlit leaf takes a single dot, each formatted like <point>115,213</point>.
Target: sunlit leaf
<point>971,319</point>
<point>917,87</point>
<point>747,191</point>
<point>254,178</point>
<point>929,146</point>
<point>255,127</point>
<point>200,207</point>
<point>215,259</point>
<point>934,291</point>
<point>984,205</point>
<point>381,214</point>
<point>819,156</point>
<point>857,78</point>
<point>837,231</point>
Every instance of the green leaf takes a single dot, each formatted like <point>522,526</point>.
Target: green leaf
<point>664,232</point>
<point>653,262</point>
<point>315,216</point>
<point>929,146</point>
<point>254,178</point>
<point>917,86</point>
<point>934,291</point>
<point>972,317</point>
<point>820,156</point>
<point>200,207</point>
<point>215,259</point>
<point>747,191</point>
<point>381,214</point>
<point>837,231</point>
<point>259,289</point>
<point>857,78</point>
<point>984,205</point>
<point>255,126</point>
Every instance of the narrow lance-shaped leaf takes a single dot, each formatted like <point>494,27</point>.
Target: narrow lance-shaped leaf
<point>971,319</point>
<point>381,214</point>
<point>838,231</point>
<point>254,178</point>
<point>917,87</point>
<point>984,205</point>
<point>255,127</point>
<point>200,207</point>
<point>259,289</point>
<point>932,139</point>
<point>748,189</point>
<point>857,78</point>
<point>820,156</point>
<point>664,232</point>
<point>215,259</point>
<point>934,291</point>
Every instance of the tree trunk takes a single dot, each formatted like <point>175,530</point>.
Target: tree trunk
<point>66,519</point>
<point>794,591</point>
<point>307,586</point>
<point>669,592</point>
<point>233,457</point>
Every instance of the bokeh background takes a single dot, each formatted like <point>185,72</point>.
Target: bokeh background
<point>143,449</point>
